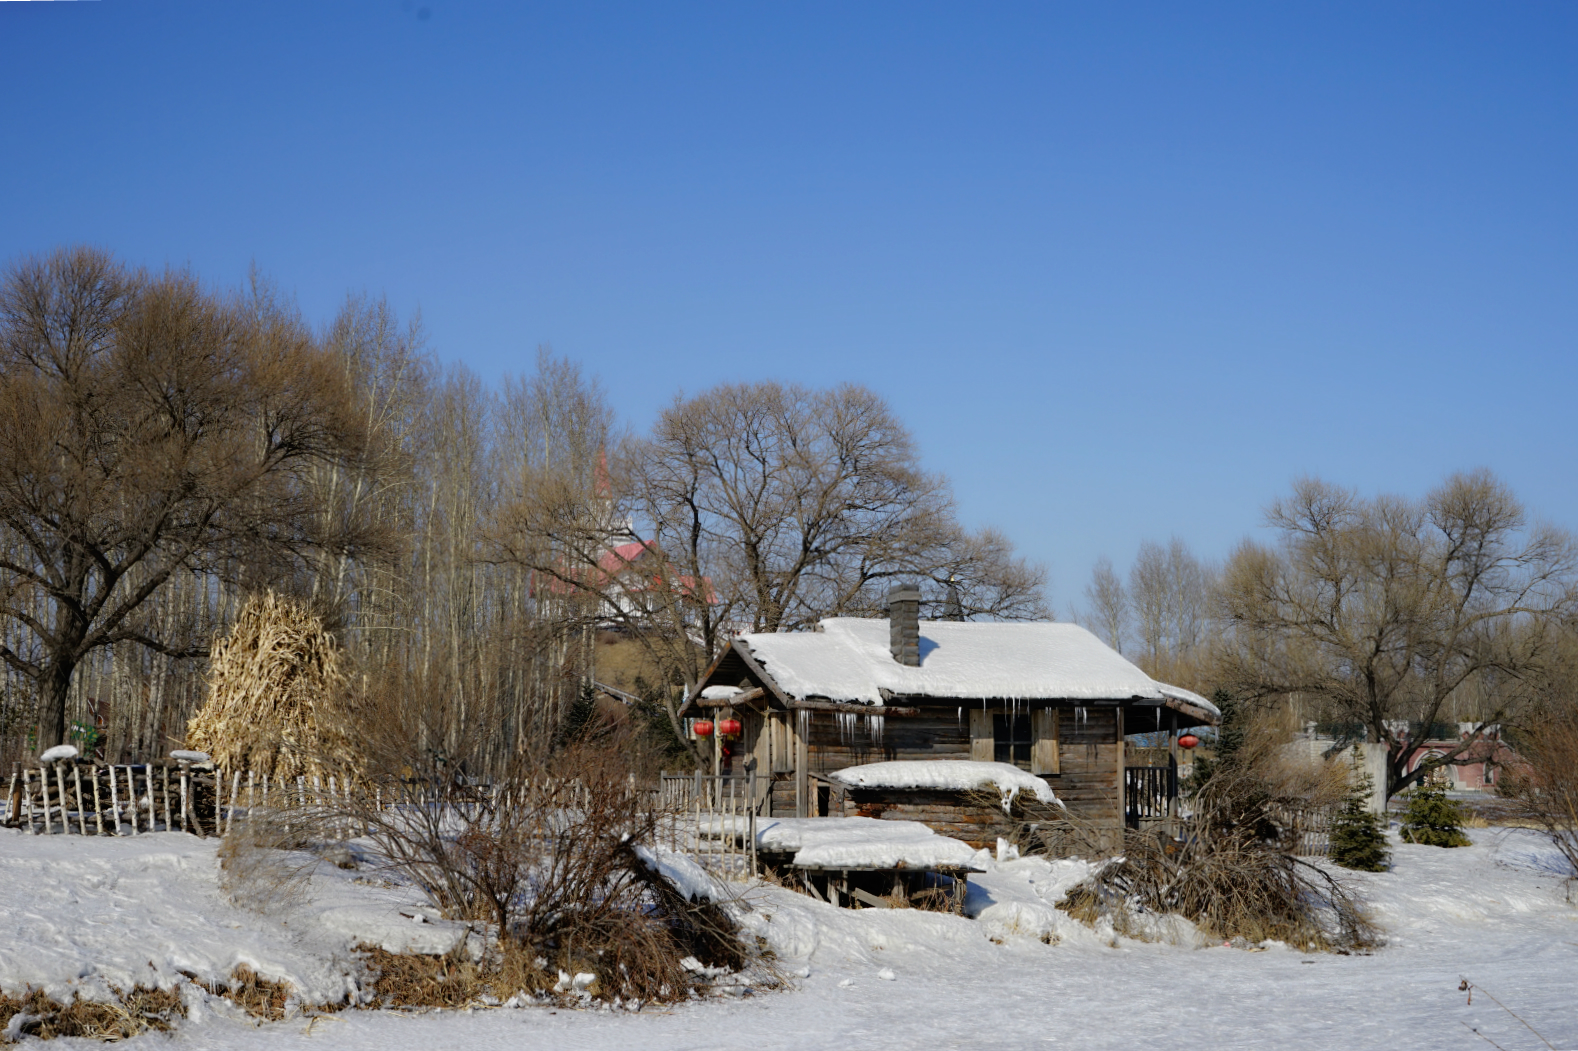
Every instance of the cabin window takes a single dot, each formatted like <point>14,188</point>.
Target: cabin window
<point>1012,739</point>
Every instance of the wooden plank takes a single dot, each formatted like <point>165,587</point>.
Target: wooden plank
<point>868,898</point>
<point>1044,757</point>
<point>981,742</point>
<point>782,742</point>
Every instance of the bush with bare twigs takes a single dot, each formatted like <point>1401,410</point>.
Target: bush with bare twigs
<point>1233,872</point>
<point>555,859</point>
<point>1544,789</point>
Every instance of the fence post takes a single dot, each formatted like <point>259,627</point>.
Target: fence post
<point>181,776</point>
<point>164,776</point>
<point>64,799</point>
<point>98,812</point>
<point>131,797</point>
<point>115,801</point>
<point>27,797</point>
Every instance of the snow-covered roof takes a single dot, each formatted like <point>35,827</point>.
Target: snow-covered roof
<point>847,659</point>
<point>864,843</point>
<point>947,775</point>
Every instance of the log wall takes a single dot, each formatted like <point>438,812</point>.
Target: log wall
<point>1089,759</point>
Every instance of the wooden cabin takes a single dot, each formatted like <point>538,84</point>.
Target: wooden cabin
<point>1049,698</point>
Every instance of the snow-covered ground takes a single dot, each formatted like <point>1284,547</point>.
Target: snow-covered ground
<point>77,913</point>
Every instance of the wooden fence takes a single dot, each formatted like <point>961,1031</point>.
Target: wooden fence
<point>1310,830</point>
<point>91,798</point>
<point>713,819</point>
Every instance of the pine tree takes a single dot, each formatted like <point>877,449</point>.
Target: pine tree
<point>578,717</point>
<point>1358,840</point>
<point>1432,818</point>
<point>1229,739</point>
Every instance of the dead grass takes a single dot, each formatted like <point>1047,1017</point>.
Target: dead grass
<point>258,996</point>
<point>138,1011</point>
<point>414,980</point>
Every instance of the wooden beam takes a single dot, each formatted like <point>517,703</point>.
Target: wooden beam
<point>744,651</point>
<point>853,707</point>
<point>743,697</point>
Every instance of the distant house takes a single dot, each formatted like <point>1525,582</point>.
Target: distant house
<point>1048,698</point>
<point>1478,768</point>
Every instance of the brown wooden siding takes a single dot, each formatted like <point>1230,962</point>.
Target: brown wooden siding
<point>1088,758</point>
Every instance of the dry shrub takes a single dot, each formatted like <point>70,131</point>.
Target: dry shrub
<point>1544,789</point>
<point>550,857</point>
<point>262,867</point>
<point>1233,873</point>
<point>278,701</point>
<point>138,1011</point>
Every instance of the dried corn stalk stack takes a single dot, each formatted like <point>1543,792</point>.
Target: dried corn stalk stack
<point>278,702</point>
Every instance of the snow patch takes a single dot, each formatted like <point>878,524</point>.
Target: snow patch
<point>948,775</point>
<point>863,843</point>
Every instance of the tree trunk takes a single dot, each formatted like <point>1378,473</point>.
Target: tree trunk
<point>53,689</point>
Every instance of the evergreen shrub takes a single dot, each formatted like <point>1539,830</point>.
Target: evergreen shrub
<point>1358,837</point>
<point>1432,818</point>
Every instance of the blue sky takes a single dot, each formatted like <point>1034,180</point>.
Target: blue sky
<point>1125,269</point>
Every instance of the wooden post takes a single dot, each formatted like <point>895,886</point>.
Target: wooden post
<point>82,809</point>
<point>1172,774</point>
<point>43,778</point>
<point>98,813</point>
<point>115,801</point>
<point>153,802</point>
<point>165,777</point>
<point>181,776</point>
<point>1117,717</point>
<point>27,797</point>
<point>750,779</point>
<point>235,787</point>
<point>63,799</point>
<point>13,804</point>
<point>131,796</point>
<point>802,763</point>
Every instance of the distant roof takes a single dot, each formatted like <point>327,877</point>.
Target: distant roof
<point>847,659</point>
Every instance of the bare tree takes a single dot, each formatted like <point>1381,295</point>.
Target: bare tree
<point>1392,611</point>
<point>146,428</point>
<point>1169,591</point>
<point>1108,609</point>
<point>760,507</point>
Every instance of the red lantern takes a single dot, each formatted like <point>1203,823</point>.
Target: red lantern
<point>729,727</point>
<point>702,727</point>
<point>1188,741</point>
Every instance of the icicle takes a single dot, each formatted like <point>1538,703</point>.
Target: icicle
<point>874,726</point>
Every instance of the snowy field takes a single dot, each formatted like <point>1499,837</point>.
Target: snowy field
<point>79,913</point>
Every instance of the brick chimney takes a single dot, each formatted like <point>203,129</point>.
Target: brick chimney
<point>904,624</point>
